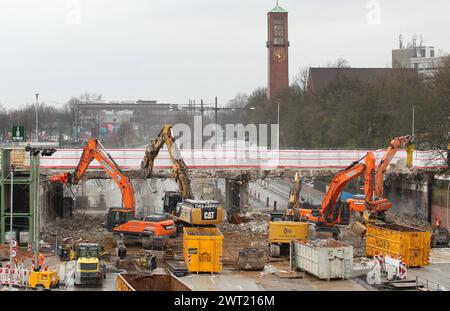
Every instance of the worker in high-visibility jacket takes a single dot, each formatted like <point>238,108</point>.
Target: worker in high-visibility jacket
<point>40,262</point>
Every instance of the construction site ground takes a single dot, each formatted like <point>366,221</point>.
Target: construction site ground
<point>89,226</point>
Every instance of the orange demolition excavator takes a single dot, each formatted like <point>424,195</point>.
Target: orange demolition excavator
<point>119,220</point>
<point>333,211</point>
<point>372,201</point>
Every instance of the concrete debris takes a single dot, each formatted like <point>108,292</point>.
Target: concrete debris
<point>237,219</point>
<point>407,220</point>
<point>88,227</point>
<point>258,224</point>
<point>270,269</point>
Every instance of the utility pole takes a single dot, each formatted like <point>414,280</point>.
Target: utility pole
<point>37,214</point>
<point>413,120</point>
<point>215,110</point>
<point>11,209</point>
<point>37,106</point>
<point>201,110</point>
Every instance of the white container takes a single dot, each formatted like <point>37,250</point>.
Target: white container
<point>325,259</point>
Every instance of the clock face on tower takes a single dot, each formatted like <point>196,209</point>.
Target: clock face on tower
<point>279,56</point>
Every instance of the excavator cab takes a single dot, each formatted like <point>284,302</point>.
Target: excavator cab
<point>116,217</point>
<point>171,199</point>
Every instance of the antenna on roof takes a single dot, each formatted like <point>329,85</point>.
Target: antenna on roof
<point>414,40</point>
<point>400,39</point>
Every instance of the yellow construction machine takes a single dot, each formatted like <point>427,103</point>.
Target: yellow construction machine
<point>89,269</point>
<point>180,205</point>
<point>43,280</point>
<point>283,228</point>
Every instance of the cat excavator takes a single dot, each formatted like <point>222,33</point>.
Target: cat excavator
<point>181,204</point>
<point>120,220</point>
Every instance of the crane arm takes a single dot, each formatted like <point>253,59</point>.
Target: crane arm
<point>178,165</point>
<point>395,145</point>
<point>294,194</point>
<point>90,152</point>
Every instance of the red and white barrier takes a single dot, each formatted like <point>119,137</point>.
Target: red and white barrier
<point>19,276</point>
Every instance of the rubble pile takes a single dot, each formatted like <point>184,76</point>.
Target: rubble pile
<point>258,224</point>
<point>78,226</point>
<point>407,220</point>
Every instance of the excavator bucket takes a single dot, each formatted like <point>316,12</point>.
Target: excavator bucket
<point>61,178</point>
<point>359,229</point>
<point>237,219</point>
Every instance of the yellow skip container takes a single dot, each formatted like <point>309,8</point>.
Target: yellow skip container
<point>286,231</point>
<point>410,244</point>
<point>202,249</point>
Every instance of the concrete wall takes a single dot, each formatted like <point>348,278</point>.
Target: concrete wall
<point>410,195</point>
<point>439,203</point>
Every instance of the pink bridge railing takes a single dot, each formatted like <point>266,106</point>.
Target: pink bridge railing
<point>130,159</point>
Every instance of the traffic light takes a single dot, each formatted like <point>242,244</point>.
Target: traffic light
<point>48,152</point>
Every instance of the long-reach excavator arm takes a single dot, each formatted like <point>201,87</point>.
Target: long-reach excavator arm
<point>95,150</point>
<point>178,165</point>
<point>294,198</point>
<point>332,211</point>
<point>395,145</point>
<point>373,201</point>
<point>180,205</point>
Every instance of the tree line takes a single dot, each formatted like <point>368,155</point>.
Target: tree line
<point>351,114</point>
<point>346,114</point>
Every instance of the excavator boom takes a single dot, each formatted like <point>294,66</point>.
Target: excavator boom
<point>95,150</point>
<point>332,211</point>
<point>178,164</point>
<point>180,205</point>
<point>395,145</point>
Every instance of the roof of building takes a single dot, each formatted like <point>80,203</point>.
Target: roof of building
<point>320,78</point>
<point>278,9</point>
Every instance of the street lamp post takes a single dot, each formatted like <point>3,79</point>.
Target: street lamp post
<point>215,117</point>
<point>215,108</point>
<point>11,209</point>
<point>37,107</point>
<point>448,192</point>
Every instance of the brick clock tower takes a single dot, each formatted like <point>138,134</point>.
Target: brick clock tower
<point>278,46</point>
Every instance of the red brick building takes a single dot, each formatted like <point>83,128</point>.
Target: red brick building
<point>278,46</point>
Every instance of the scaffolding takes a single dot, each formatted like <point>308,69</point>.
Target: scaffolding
<point>26,188</point>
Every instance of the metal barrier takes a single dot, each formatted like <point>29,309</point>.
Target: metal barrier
<point>429,285</point>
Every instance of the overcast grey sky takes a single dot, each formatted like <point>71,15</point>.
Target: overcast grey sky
<point>173,50</point>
